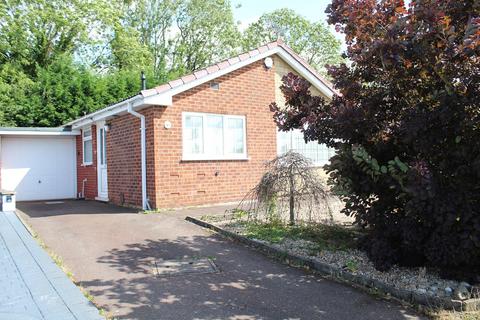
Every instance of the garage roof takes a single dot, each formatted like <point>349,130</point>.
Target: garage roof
<point>30,131</point>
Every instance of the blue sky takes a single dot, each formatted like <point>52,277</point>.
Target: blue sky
<point>250,10</point>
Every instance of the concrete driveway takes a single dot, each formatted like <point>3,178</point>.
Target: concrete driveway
<point>113,252</point>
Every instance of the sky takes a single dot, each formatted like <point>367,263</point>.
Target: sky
<point>248,11</point>
<point>251,10</point>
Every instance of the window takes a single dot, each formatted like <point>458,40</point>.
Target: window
<point>87,146</point>
<point>213,137</point>
<point>293,140</point>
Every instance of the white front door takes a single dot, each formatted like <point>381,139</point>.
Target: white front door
<point>102,162</point>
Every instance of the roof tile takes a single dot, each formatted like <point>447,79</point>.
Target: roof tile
<point>148,92</point>
<point>233,60</point>
<point>175,83</point>
<point>200,73</point>
<point>272,45</point>
<point>162,88</point>
<point>254,52</point>
<point>244,56</point>
<point>223,64</point>
<point>188,78</point>
<point>212,69</point>
<point>263,49</point>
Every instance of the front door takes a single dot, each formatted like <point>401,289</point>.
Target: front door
<point>102,162</point>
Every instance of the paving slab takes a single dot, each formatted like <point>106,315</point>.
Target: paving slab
<point>111,250</point>
<point>32,285</point>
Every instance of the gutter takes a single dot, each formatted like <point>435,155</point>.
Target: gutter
<point>145,204</point>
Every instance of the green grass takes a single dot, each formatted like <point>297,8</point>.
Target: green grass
<point>324,237</point>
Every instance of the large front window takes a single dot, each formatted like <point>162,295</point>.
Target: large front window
<point>213,136</point>
<point>293,140</point>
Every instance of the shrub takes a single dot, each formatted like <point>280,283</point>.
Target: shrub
<point>406,127</point>
<point>290,187</point>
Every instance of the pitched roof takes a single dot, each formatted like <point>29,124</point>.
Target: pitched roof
<point>162,94</point>
<point>199,74</point>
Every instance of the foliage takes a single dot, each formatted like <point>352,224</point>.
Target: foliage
<point>207,33</point>
<point>33,33</point>
<point>146,25</point>
<point>60,92</point>
<point>60,59</point>
<point>290,186</point>
<point>406,129</point>
<point>325,237</point>
<point>312,40</point>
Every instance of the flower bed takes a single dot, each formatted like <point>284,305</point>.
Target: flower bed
<point>331,250</point>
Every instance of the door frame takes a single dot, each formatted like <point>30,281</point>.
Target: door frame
<point>101,126</point>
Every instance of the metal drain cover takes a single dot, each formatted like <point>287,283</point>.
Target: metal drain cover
<point>164,268</point>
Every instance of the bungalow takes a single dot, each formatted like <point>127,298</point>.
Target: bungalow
<point>200,139</point>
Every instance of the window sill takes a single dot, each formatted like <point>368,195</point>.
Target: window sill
<point>188,159</point>
<point>87,164</point>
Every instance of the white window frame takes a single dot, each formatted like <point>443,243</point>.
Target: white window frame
<point>226,156</point>
<point>85,139</point>
<point>279,153</point>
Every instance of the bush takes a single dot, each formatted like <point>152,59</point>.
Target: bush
<point>289,187</point>
<point>406,127</point>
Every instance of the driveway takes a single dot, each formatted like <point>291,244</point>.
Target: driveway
<point>114,253</point>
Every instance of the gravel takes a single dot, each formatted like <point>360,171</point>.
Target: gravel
<point>419,280</point>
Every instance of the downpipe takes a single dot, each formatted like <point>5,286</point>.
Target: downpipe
<point>143,147</point>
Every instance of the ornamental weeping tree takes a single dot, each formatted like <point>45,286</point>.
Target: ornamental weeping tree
<point>406,127</point>
<point>290,187</point>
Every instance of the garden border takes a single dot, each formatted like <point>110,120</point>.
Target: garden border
<point>341,275</point>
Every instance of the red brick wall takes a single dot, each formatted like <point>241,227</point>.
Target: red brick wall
<point>172,182</point>
<point>124,159</point>
<point>88,172</point>
<point>247,91</point>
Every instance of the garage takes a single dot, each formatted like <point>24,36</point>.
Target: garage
<point>38,163</point>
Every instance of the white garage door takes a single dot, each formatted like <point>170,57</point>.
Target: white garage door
<point>39,168</point>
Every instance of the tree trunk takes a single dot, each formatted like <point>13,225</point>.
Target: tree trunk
<point>292,200</point>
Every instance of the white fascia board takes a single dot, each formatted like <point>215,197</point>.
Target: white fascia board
<point>138,102</point>
<point>39,133</point>
<point>304,72</point>
<point>156,100</point>
<point>103,113</point>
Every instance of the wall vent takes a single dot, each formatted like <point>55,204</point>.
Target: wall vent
<point>215,85</point>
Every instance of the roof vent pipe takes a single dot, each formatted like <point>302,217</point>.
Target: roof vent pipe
<point>144,81</point>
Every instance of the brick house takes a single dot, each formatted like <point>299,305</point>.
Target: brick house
<point>200,139</point>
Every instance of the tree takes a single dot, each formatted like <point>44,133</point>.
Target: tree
<point>312,40</point>
<point>406,129</point>
<point>207,34</point>
<point>129,53</point>
<point>173,37</point>
<point>40,82</point>
<point>34,32</point>
<point>290,187</point>
<point>146,25</point>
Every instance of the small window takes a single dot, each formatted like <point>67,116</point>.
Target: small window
<point>213,136</point>
<point>293,140</point>
<point>87,146</point>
